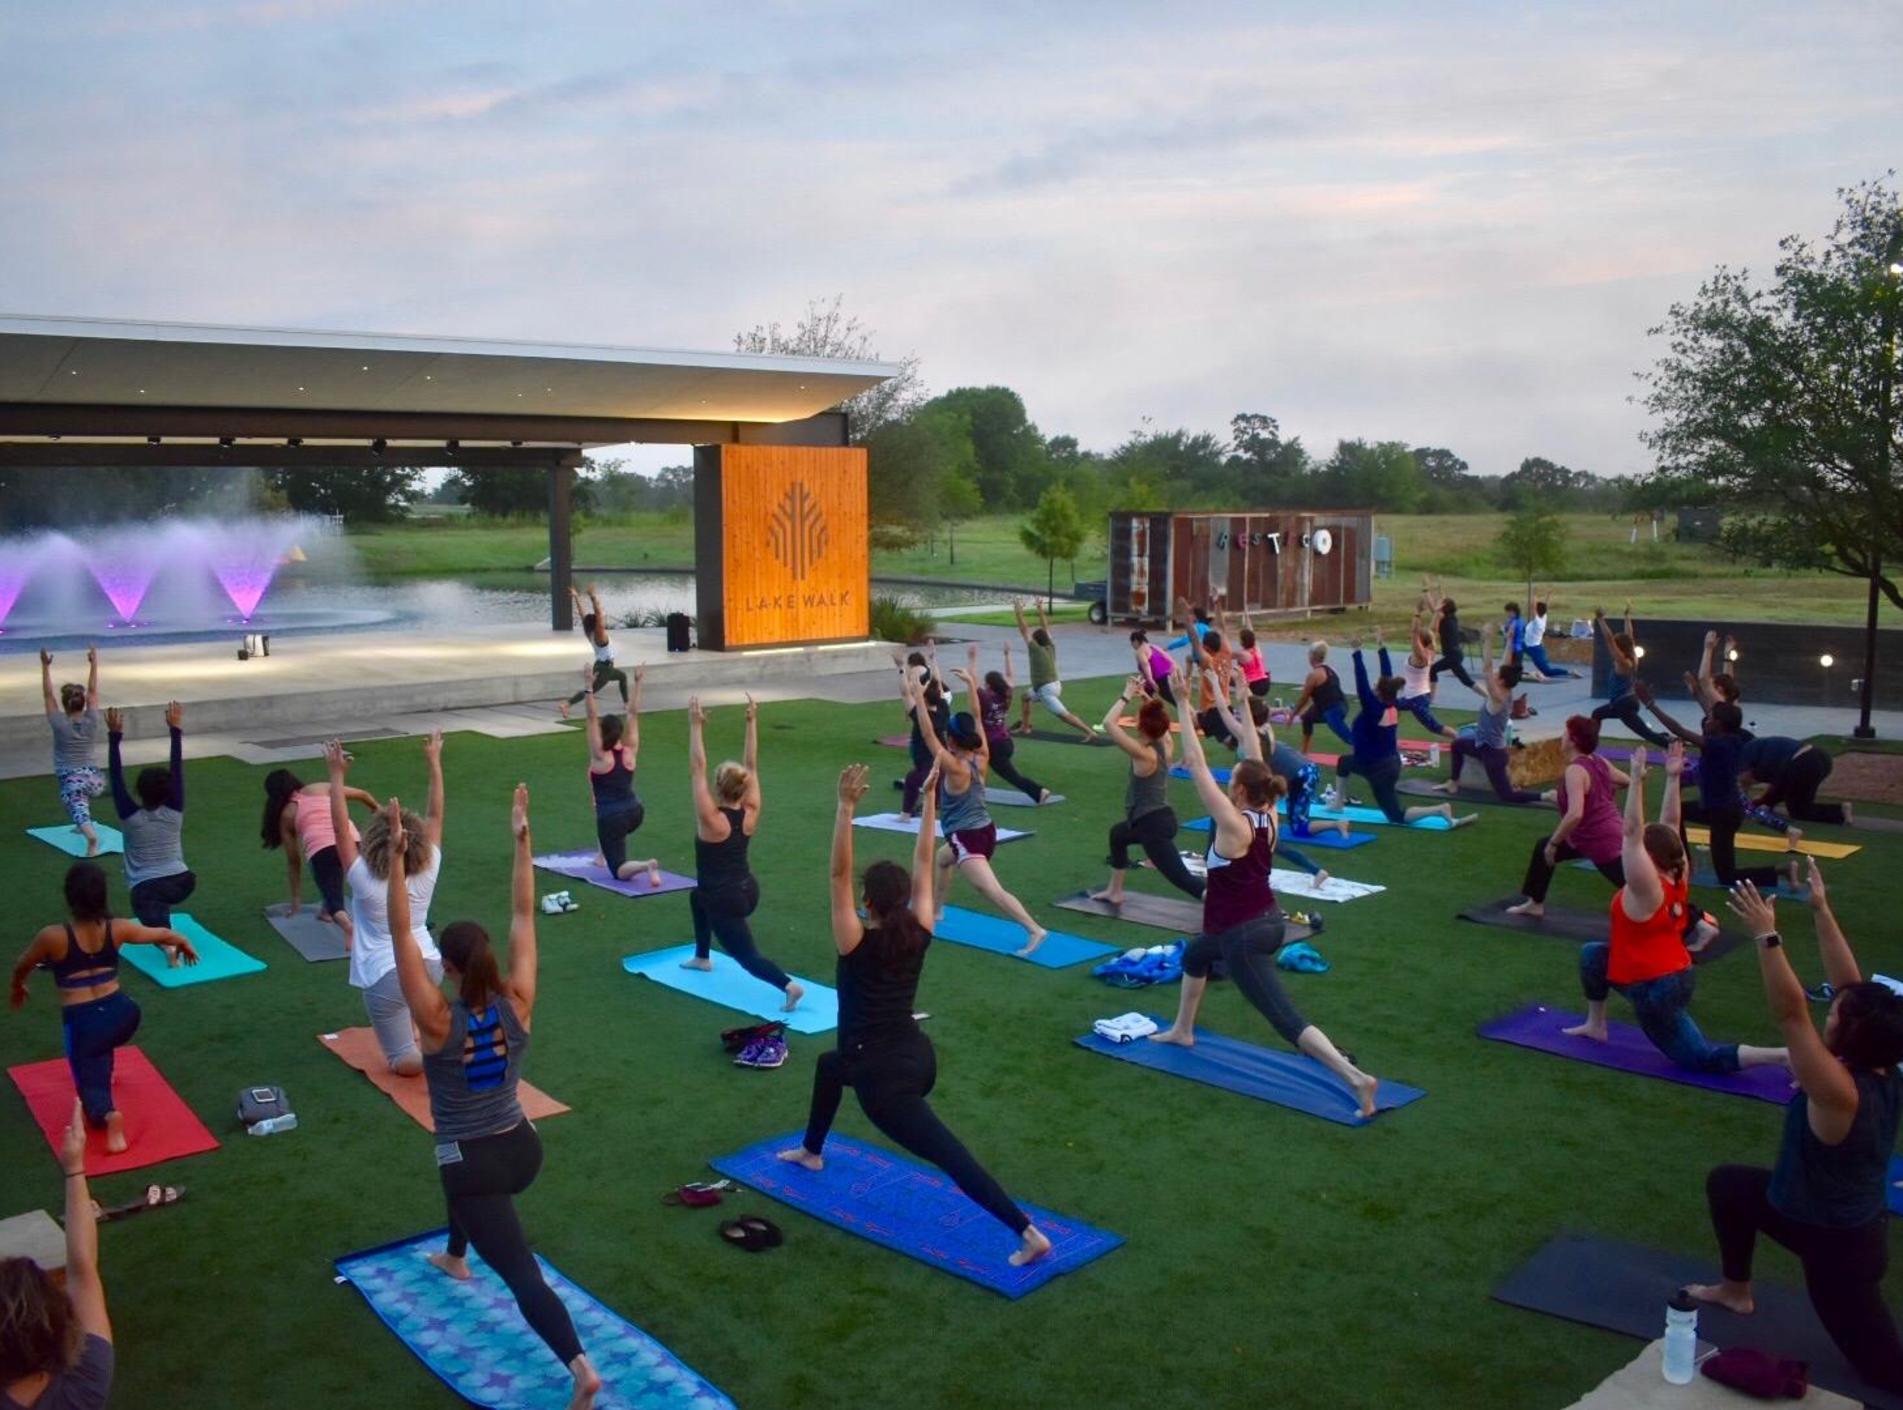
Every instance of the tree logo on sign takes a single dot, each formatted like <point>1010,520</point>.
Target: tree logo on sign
<point>796,531</point>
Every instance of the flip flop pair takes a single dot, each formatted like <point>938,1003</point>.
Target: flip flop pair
<point>155,1197</point>
<point>752,1233</point>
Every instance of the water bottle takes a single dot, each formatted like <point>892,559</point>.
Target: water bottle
<point>271,1125</point>
<point>1681,1339</point>
<point>1433,755</point>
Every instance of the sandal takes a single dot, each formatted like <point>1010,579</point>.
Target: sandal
<point>155,1196</point>
<point>751,1233</point>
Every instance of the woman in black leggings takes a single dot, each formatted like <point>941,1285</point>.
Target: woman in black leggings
<point>993,704</point>
<point>613,753</point>
<point>1148,820</point>
<point>1721,802</point>
<point>1622,701</point>
<point>487,1151</point>
<point>1825,1200</point>
<point>882,1054</point>
<point>725,892</point>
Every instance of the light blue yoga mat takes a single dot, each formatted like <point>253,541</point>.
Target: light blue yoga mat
<point>914,1209</point>
<point>217,959</point>
<point>1333,841</point>
<point>732,987</point>
<point>1374,817</point>
<point>73,845</point>
<point>1268,1075</point>
<point>1894,1185</point>
<point>1004,937</point>
<point>472,1337</point>
<point>1221,775</point>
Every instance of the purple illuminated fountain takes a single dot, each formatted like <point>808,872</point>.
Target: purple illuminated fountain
<point>125,584</point>
<point>245,562</point>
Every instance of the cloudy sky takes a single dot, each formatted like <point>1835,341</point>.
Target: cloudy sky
<point>1449,224</point>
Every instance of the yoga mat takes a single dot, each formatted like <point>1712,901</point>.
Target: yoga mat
<point>892,822</point>
<point>1374,817</point>
<point>312,938</point>
<point>1012,798</point>
<point>1623,1288</point>
<point>1005,937</point>
<point>1424,788</point>
<point>915,1210</point>
<point>1286,882</point>
<point>1579,927</point>
<point>1174,913</point>
<point>158,1124</point>
<point>1626,1049</point>
<point>1895,1186</point>
<point>217,959</point>
<point>894,741</point>
<point>471,1336</point>
<point>581,867</point>
<point>1069,736</point>
<point>358,1047</point>
<point>732,987</point>
<point>1871,824</point>
<point>1783,891</point>
<point>73,845</point>
<point>1757,842</point>
<point>1622,753</point>
<point>1328,841</point>
<point>1414,753</point>
<point>1284,1079</point>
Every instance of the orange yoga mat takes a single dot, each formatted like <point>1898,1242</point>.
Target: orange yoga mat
<point>358,1047</point>
<point>158,1124</point>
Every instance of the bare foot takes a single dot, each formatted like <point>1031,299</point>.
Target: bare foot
<point>1588,1029</point>
<point>1182,1037</point>
<point>1110,895</point>
<point>794,993</point>
<point>698,963</point>
<point>1447,787</point>
<point>92,846</point>
<point>1033,1247</point>
<point>1043,797</point>
<point>1037,938</point>
<point>1365,1087</point>
<point>799,1155</point>
<point>1793,836</point>
<point>1342,826</point>
<point>115,1132</point>
<point>587,1384</point>
<point>1734,1297</point>
<point>1849,818</point>
<point>654,875</point>
<point>457,1268</point>
<point>1453,821</point>
<point>563,707</point>
<point>1532,910</point>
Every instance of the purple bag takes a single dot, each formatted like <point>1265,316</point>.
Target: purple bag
<point>1759,1373</point>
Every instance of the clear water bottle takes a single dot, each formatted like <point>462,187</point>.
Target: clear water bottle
<point>271,1125</point>
<point>1681,1339</point>
<point>1433,755</point>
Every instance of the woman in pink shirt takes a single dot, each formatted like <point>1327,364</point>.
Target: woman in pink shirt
<point>1589,824</point>
<point>297,818</point>
<point>1248,655</point>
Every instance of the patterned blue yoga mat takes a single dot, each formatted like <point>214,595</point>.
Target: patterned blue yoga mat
<point>472,1336</point>
<point>914,1209</point>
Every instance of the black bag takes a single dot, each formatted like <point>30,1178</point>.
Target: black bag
<point>257,1104</point>
<point>678,624</point>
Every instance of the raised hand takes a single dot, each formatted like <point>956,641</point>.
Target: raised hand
<point>72,1144</point>
<point>1132,687</point>
<point>640,674</point>
<point>1752,907</point>
<point>1819,899</point>
<point>92,656</point>
<point>753,708</point>
<point>519,812</point>
<point>433,746</point>
<point>971,658</point>
<point>695,714</point>
<point>853,783</point>
<point>1636,768</point>
<point>115,721</point>
<point>335,758</point>
<point>931,776</point>
<point>46,657</point>
<point>1674,758</point>
<point>1711,640</point>
<point>174,715</point>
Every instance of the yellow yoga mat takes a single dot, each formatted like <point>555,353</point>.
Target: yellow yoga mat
<point>1748,842</point>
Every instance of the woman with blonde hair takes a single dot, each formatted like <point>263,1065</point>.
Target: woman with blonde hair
<point>726,814</point>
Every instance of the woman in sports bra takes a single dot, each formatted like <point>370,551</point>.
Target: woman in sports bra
<point>297,817</point>
<point>1148,820</point>
<point>487,1151</point>
<point>613,750</point>
<point>961,759</point>
<point>1654,933</point>
<point>97,1015</point>
<point>725,892</point>
<point>1242,922</point>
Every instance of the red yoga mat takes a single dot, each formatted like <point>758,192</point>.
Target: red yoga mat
<point>158,1124</point>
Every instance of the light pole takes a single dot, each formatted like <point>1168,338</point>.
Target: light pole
<point>1891,286</point>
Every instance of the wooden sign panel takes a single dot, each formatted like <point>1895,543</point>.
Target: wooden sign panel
<point>781,545</point>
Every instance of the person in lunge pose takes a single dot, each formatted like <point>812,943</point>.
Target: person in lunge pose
<point>1589,822</point>
<point>992,704</point>
<point>594,626</point>
<point>1376,755</point>
<point>1417,677</point>
<point>298,817</point>
<point>1148,819</point>
<point>1825,1200</point>
<point>883,1055</point>
<point>1321,699</point>
<point>153,824</point>
<point>1046,684</point>
<point>1623,704</point>
<point>924,695</point>
<point>614,749</point>
<point>74,716</point>
<point>487,1151</point>
<point>1488,743</point>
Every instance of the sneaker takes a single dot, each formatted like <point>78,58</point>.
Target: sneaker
<point>772,1053</point>
<point>552,905</point>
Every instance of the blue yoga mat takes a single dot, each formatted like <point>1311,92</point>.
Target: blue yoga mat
<point>74,845</point>
<point>1895,1184</point>
<point>472,1336</point>
<point>732,987</point>
<point>914,1209</point>
<point>217,959</point>
<point>1182,771</point>
<point>1286,1079</point>
<point>1005,937</point>
<point>1374,817</point>
<point>1331,841</point>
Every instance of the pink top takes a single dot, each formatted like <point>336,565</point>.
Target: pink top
<point>1162,664</point>
<point>1601,832</point>
<point>1252,667</point>
<point>315,831</point>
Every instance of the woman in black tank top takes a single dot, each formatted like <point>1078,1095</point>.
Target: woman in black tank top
<point>614,750</point>
<point>882,1054</point>
<point>725,892</point>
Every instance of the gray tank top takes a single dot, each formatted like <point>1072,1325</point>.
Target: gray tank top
<point>1490,729</point>
<point>75,739</point>
<point>963,812</point>
<point>155,845</point>
<point>472,1078</point>
<point>1143,796</point>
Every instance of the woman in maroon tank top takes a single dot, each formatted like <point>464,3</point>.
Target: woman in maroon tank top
<point>1242,923</point>
<point>1589,824</point>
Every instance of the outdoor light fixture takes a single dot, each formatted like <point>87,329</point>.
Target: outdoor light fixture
<point>1732,655</point>
<point>152,440</point>
<point>294,441</point>
<point>1638,653</point>
<point>1826,660</point>
<point>379,446</point>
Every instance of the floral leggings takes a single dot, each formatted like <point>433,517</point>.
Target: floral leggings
<point>77,789</point>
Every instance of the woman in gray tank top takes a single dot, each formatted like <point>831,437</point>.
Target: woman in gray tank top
<point>970,835</point>
<point>1488,743</point>
<point>73,715</point>
<point>487,1152</point>
<point>1148,820</point>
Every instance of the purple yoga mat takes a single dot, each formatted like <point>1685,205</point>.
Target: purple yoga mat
<point>1628,1050</point>
<point>581,866</point>
<point>1621,753</point>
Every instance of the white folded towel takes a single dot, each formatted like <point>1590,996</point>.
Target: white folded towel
<point>1125,1028</point>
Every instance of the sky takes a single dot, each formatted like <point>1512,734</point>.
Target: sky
<point>1446,224</point>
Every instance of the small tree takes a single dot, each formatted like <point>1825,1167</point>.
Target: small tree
<point>1055,530</point>
<point>1532,543</point>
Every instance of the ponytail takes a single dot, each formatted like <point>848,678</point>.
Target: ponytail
<point>280,787</point>
<point>465,946</point>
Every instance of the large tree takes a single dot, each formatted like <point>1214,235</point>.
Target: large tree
<point>362,494</point>
<point>827,330</point>
<point>516,492</point>
<point>1382,475</point>
<point>1780,399</point>
<point>1265,468</point>
<point>1013,465</point>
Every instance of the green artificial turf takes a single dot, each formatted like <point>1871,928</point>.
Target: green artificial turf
<point>1271,1257</point>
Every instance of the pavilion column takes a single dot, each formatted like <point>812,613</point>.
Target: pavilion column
<point>561,542</point>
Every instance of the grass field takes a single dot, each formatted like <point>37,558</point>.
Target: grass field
<point>1272,1258</point>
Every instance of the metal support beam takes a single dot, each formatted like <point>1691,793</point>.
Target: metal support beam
<point>561,542</point>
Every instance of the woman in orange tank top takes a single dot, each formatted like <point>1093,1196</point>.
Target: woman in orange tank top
<point>1655,931</point>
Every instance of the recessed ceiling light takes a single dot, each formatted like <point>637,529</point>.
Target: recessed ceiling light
<point>364,368</point>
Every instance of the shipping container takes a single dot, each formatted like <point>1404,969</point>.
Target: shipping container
<point>1287,561</point>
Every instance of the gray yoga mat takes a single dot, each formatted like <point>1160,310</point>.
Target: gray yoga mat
<point>1623,1288</point>
<point>309,936</point>
<point>1179,915</point>
<point>1872,824</point>
<point>1578,927</point>
<point>1424,788</point>
<point>1012,798</point>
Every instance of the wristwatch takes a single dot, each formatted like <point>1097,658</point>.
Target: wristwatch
<point>1770,940</point>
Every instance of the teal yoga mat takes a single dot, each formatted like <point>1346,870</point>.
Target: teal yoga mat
<point>1374,817</point>
<point>1004,937</point>
<point>732,987</point>
<point>72,844</point>
<point>217,959</point>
